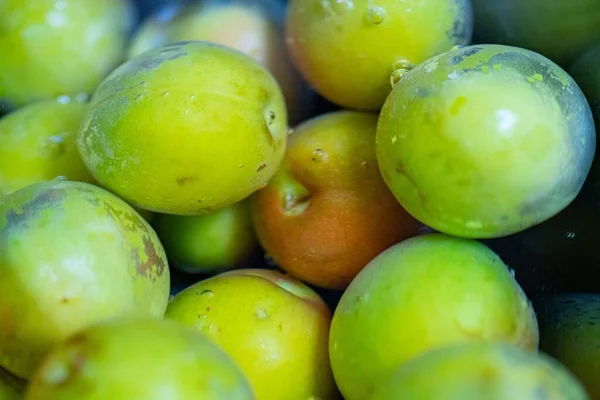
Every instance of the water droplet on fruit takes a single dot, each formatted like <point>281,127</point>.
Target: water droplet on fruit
<point>64,99</point>
<point>375,15</point>
<point>512,272</point>
<point>81,97</point>
<point>166,93</point>
<point>206,293</point>
<point>60,178</point>
<point>192,97</point>
<point>261,313</point>
<point>397,76</point>
<point>270,117</point>
<point>318,155</point>
<point>139,97</point>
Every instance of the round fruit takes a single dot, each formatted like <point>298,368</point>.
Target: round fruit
<point>570,332</point>
<point>59,47</point>
<point>478,371</point>
<point>274,327</point>
<point>185,129</point>
<point>347,50</point>
<point>327,197</point>
<point>485,141</point>
<point>558,29</point>
<point>146,359</point>
<point>424,293</point>
<point>37,143</point>
<point>254,28</point>
<point>71,254</point>
<point>210,243</point>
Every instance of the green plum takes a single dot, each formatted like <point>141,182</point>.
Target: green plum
<point>59,47</point>
<point>348,49</point>
<point>570,332</point>
<point>71,254</point>
<point>476,371</point>
<point>37,143</point>
<point>149,359</point>
<point>485,141</point>
<point>559,29</point>
<point>424,293</point>
<point>216,242</point>
<point>252,27</point>
<point>185,129</point>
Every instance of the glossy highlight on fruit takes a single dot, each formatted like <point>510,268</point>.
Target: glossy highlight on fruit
<point>185,129</point>
<point>559,29</point>
<point>124,359</point>
<point>485,141</point>
<point>348,49</point>
<point>59,47</point>
<point>570,332</point>
<point>253,27</point>
<point>274,327</point>
<point>424,293</point>
<point>37,143</point>
<point>71,254</point>
<point>328,212</point>
<point>477,371</point>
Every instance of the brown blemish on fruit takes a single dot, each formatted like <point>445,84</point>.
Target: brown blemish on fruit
<point>153,261</point>
<point>261,167</point>
<point>127,220</point>
<point>184,180</point>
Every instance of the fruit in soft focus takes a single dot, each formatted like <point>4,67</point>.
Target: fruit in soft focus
<point>485,141</point>
<point>185,129</point>
<point>254,28</point>
<point>10,387</point>
<point>421,294</point>
<point>559,29</point>
<point>219,241</point>
<point>37,143</point>
<point>138,359</point>
<point>559,255</point>
<point>59,47</point>
<point>274,327</point>
<point>478,371</point>
<point>71,254</point>
<point>328,212</point>
<point>570,332</point>
<point>348,50</point>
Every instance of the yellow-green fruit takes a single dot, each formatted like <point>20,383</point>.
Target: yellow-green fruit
<point>37,143</point>
<point>348,49</point>
<point>421,294</point>
<point>252,27</point>
<point>485,141</point>
<point>476,371</point>
<point>127,359</point>
<point>219,241</point>
<point>185,129</point>
<point>58,47</point>
<point>570,332</point>
<point>274,327</point>
<point>71,254</point>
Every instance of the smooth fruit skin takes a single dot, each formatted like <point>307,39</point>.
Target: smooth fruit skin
<point>328,212</point>
<point>485,141</point>
<point>475,371</point>
<point>570,332</point>
<point>37,143</point>
<point>426,292</point>
<point>253,28</point>
<point>274,327</point>
<point>125,359</point>
<point>348,49</point>
<point>559,29</point>
<point>59,47</point>
<point>185,129</point>
<point>215,242</point>
<point>71,254</point>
